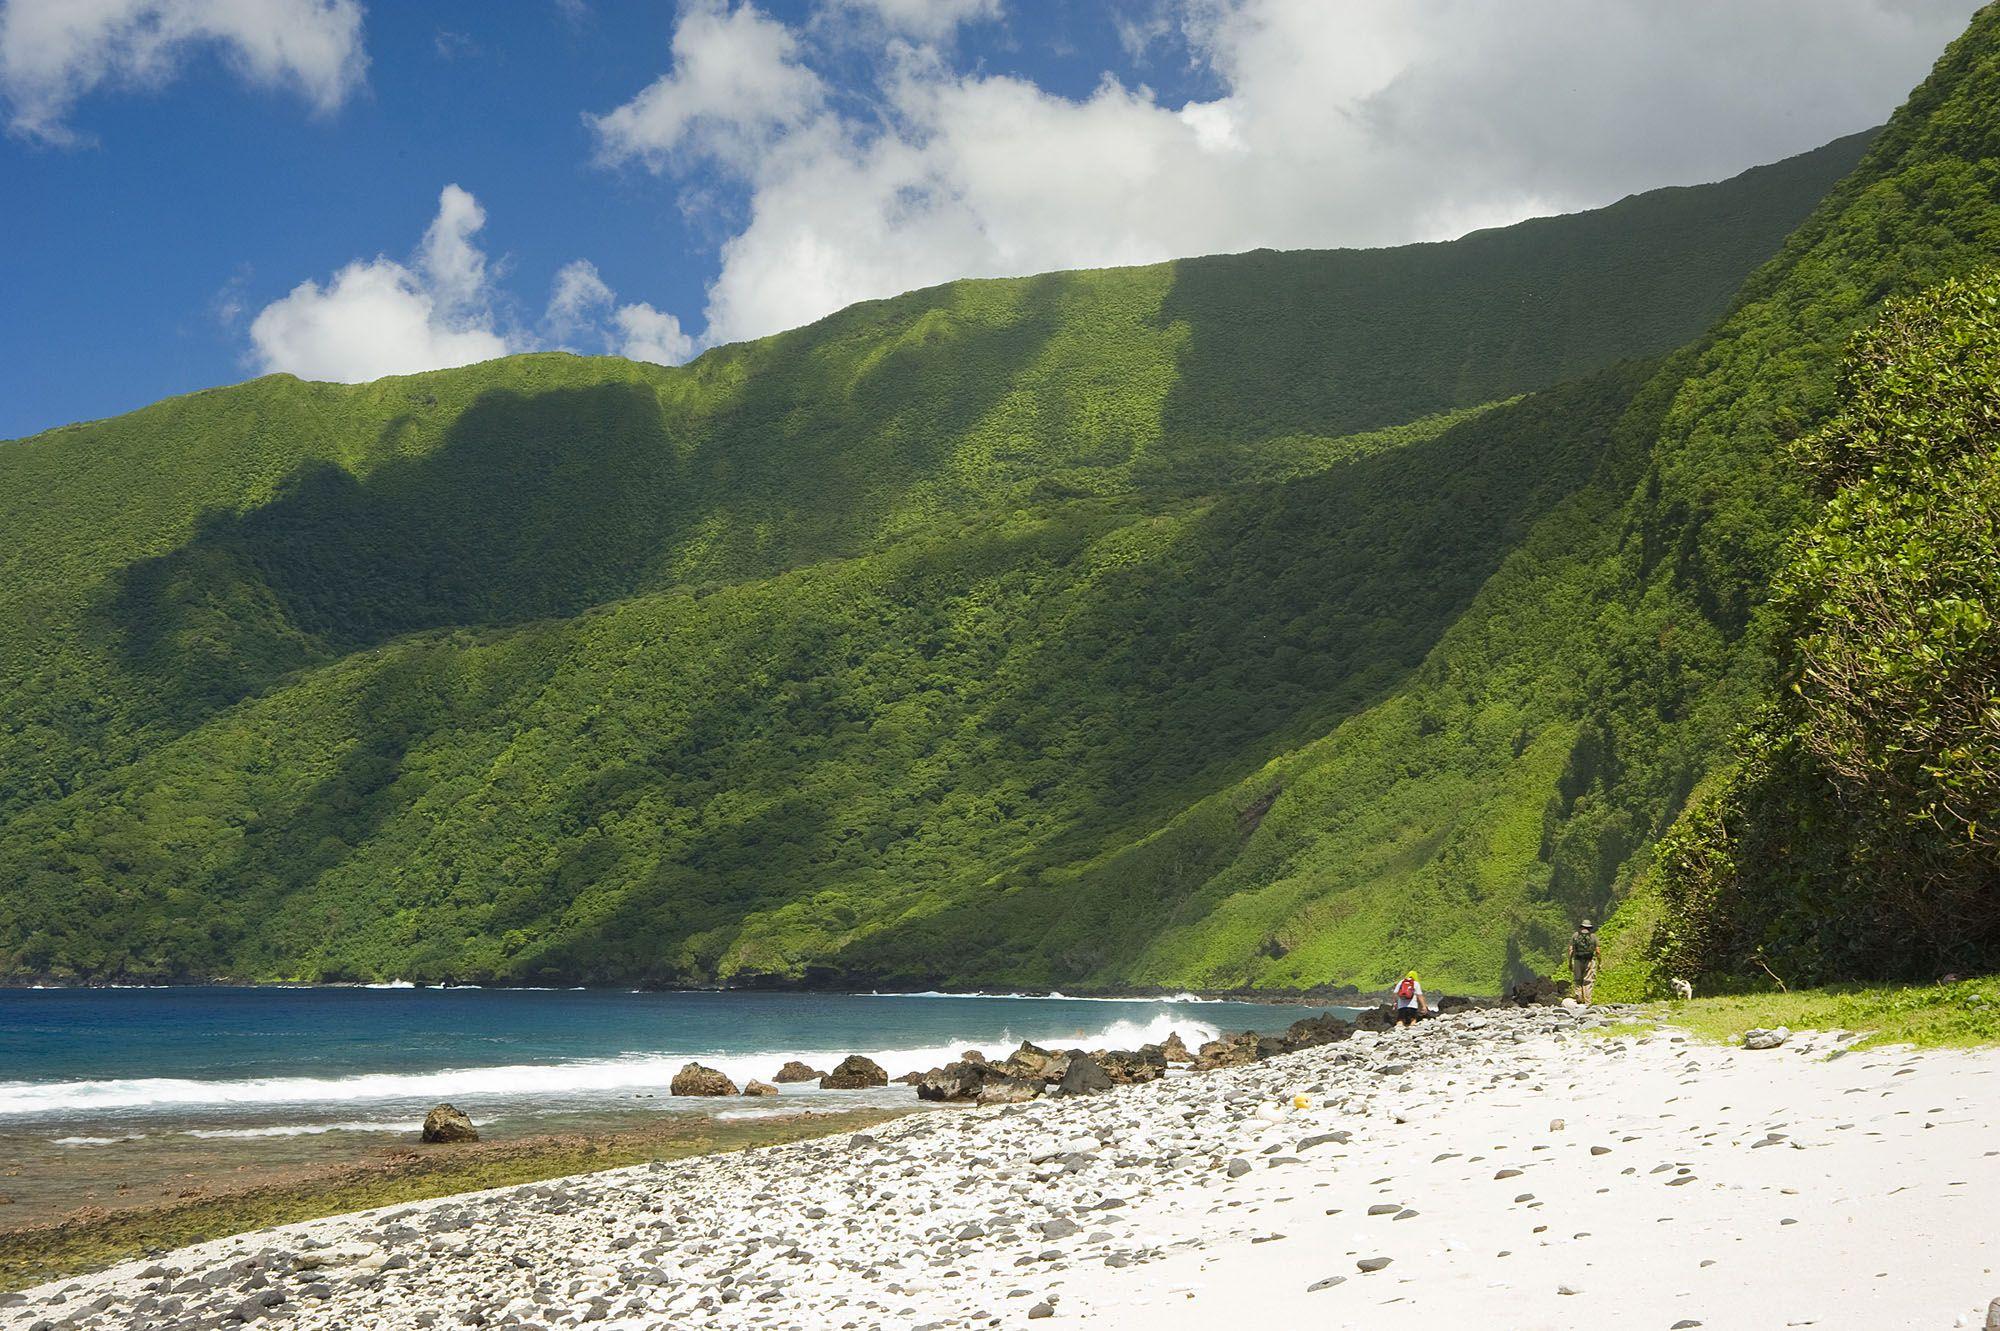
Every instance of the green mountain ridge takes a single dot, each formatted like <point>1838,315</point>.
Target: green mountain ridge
<point>1270,621</point>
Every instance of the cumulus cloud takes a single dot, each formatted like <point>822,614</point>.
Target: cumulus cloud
<point>578,302</point>
<point>1339,122</point>
<point>922,20</point>
<point>380,316</point>
<point>645,333</point>
<point>54,52</point>
<point>442,308</point>
<point>584,314</point>
<point>737,85</point>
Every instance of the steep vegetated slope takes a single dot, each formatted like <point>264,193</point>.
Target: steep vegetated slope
<point>1860,833</point>
<point>1522,774</point>
<point>998,633</point>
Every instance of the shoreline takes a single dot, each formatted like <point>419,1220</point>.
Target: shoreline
<point>1537,1167</point>
<point>1330,995</point>
<point>91,1238</point>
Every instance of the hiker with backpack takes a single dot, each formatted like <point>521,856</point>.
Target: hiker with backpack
<point>1410,1000</point>
<point>1582,956</point>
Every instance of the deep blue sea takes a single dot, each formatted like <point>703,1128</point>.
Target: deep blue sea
<point>111,1097</point>
<point>106,1063</point>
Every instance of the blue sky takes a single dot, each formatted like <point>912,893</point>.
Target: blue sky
<point>173,174</point>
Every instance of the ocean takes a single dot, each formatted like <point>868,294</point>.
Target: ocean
<point>112,1088</point>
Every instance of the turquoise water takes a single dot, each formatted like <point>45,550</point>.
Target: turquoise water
<point>85,1067</point>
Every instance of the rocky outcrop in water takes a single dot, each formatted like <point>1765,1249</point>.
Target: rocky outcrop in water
<point>854,1073</point>
<point>694,1079</point>
<point>448,1123</point>
<point>796,1071</point>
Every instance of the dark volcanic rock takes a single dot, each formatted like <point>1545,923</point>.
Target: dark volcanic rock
<point>446,1123</point>
<point>1538,990</point>
<point>1029,1061</point>
<point>1312,1032</point>
<point>1127,1068</point>
<point>1005,1090</point>
<point>759,1088</point>
<point>694,1079</point>
<point>1231,1051</point>
<point>957,1081</point>
<point>796,1071</point>
<point>855,1072</point>
<point>1176,1049</point>
<point>1083,1076</point>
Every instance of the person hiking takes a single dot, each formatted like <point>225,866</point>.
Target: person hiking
<point>1410,1000</point>
<point>1582,957</point>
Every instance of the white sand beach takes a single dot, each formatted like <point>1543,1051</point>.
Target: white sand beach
<point>1503,1169</point>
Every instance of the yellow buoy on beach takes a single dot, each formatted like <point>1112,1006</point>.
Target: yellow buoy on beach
<point>1302,1102</point>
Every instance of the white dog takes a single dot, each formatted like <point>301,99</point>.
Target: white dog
<point>1682,989</point>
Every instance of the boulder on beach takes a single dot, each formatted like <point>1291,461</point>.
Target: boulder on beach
<point>1176,1049</point>
<point>972,1056</point>
<point>1128,1068</point>
<point>797,1071</point>
<point>759,1088</point>
<point>1083,1076</point>
<point>1231,1051</point>
<point>855,1072</point>
<point>1538,991</point>
<point>958,1081</point>
<point>1381,1017</point>
<point>1029,1061</point>
<point>1766,1038</point>
<point>908,1079</point>
<point>448,1123</point>
<point>694,1079</point>
<point>1312,1032</point>
<point>1005,1090</point>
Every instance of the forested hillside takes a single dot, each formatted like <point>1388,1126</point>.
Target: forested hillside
<point>1276,619</point>
<point>1859,832</point>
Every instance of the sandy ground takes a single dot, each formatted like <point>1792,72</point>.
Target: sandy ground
<point>1877,1206</point>
<point>1685,1185</point>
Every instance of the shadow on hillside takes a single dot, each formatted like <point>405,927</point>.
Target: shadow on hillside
<point>255,912</point>
<point>1333,342</point>
<point>1282,612</point>
<point>544,504</point>
<point>533,505</point>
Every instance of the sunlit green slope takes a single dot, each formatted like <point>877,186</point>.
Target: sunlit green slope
<point>947,639</point>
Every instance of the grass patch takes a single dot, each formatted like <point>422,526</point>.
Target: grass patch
<point>1957,1015</point>
<point>93,1240</point>
<point>1624,1029</point>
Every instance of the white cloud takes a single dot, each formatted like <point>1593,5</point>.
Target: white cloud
<point>924,20</point>
<point>583,310</point>
<point>579,301</point>
<point>379,316</point>
<point>649,334</point>
<point>1340,122</point>
<point>737,85</point>
<point>585,314</point>
<point>384,316</point>
<point>54,52</point>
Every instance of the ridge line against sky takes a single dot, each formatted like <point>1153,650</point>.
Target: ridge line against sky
<point>208,188</point>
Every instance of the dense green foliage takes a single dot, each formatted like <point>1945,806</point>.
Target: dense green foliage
<point>799,656</point>
<point>1183,625</point>
<point>1860,832</point>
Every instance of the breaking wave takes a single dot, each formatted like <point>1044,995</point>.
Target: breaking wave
<point>637,1072</point>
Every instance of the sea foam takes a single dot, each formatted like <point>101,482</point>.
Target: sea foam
<point>637,1072</point>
